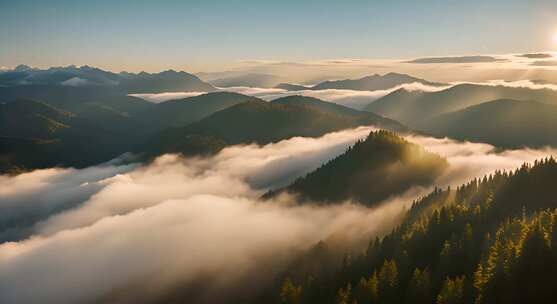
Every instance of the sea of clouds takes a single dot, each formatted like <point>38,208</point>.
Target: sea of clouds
<point>133,232</point>
<point>350,98</point>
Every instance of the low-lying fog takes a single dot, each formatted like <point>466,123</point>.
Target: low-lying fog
<point>349,98</point>
<point>84,235</point>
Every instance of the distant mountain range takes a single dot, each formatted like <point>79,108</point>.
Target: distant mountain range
<point>484,113</point>
<point>45,126</point>
<point>167,81</point>
<point>338,109</point>
<point>368,83</point>
<point>411,107</point>
<point>382,165</point>
<point>81,125</point>
<point>34,134</point>
<point>292,87</point>
<point>86,76</point>
<point>262,122</point>
<point>504,123</point>
<point>247,80</point>
<point>181,112</point>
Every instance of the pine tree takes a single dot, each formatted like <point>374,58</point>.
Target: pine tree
<point>452,291</point>
<point>419,287</point>
<point>388,282</point>
<point>290,294</point>
<point>343,296</point>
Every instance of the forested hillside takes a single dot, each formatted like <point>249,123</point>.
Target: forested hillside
<point>491,240</point>
<point>504,123</point>
<point>260,122</point>
<point>413,107</point>
<point>380,166</point>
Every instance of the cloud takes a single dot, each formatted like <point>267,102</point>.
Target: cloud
<point>527,84</point>
<point>180,219</point>
<point>254,91</point>
<point>470,160</point>
<point>535,55</point>
<point>196,224</point>
<point>174,241</point>
<point>31,197</point>
<point>544,63</point>
<point>349,98</point>
<point>75,82</point>
<point>459,59</point>
<point>240,168</point>
<point>161,97</point>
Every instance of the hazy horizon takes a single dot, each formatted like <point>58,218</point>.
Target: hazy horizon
<point>540,65</point>
<point>278,152</point>
<point>148,36</point>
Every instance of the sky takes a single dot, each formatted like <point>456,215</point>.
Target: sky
<point>212,35</point>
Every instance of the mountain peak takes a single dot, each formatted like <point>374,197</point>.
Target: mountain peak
<point>22,68</point>
<point>359,173</point>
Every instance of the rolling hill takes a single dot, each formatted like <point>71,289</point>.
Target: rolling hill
<point>85,76</point>
<point>491,240</point>
<point>167,81</point>
<point>382,165</point>
<point>368,83</point>
<point>247,80</point>
<point>41,120</point>
<point>181,112</point>
<point>262,123</point>
<point>292,87</point>
<point>73,98</point>
<point>334,108</point>
<point>318,103</point>
<point>36,135</point>
<point>503,123</point>
<point>411,108</point>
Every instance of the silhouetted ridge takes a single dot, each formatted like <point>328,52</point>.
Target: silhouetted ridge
<point>382,165</point>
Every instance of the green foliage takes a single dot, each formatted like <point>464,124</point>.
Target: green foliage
<point>182,112</point>
<point>452,291</point>
<point>343,296</point>
<point>34,134</point>
<point>419,287</point>
<point>370,171</point>
<point>289,293</point>
<point>263,122</point>
<point>388,282</point>
<point>521,261</point>
<point>368,290</point>
<point>491,240</point>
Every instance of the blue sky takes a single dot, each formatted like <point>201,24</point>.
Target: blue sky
<point>206,35</point>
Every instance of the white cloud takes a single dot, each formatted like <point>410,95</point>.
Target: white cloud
<point>528,84</point>
<point>75,82</point>
<point>161,97</point>
<point>177,220</point>
<point>468,160</point>
<point>349,98</point>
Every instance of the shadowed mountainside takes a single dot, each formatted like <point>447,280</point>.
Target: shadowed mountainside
<point>369,172</point>
<point>503,123</point>
<point>368,83</point>
<point>411,108</point>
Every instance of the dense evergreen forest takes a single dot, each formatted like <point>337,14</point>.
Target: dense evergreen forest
<point>491,240</point>
<point>382,165</point>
